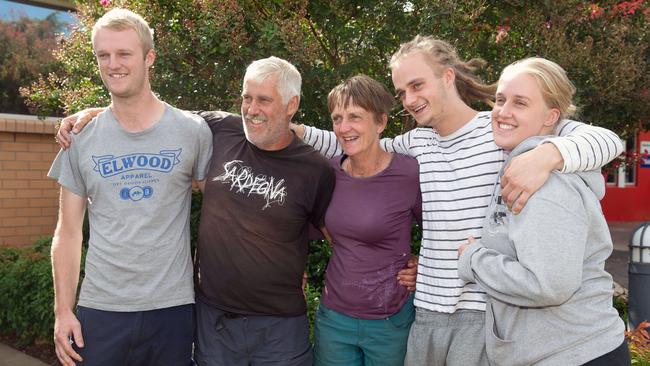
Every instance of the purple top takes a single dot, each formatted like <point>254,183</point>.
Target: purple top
<point>370,222</point>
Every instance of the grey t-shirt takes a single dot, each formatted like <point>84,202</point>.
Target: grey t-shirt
<point>138,187</point>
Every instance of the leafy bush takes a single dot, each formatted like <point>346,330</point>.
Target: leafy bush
<point>620,304</point>
<point>639,341</point>
<point>27,296</point>
<point>319,255</point>
<point>313,300</point>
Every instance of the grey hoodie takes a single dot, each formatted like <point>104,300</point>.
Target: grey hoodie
<point>549,297</point>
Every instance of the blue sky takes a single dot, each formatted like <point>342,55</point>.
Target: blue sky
<point>11,10</point>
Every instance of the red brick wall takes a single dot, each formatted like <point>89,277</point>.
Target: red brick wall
<point>28,199</point>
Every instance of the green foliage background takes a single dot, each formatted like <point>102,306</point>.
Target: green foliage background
<point>203,47</point>
<point>26,288</point>
<point>25,52</point>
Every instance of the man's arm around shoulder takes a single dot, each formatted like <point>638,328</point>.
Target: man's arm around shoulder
<point>579,147</point>
<point>212,118</point>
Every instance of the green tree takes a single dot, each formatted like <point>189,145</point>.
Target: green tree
<point>604,49</point>
<point>203,47</point>
<point>26,47</point>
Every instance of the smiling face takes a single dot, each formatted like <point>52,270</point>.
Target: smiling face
<point>357,129</point>
<point>123,67</point>
<point>421,91</point>
<point>520,111</point>
<point>266,117</point>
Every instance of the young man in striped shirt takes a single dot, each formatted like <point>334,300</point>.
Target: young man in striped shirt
<point>459,165</point>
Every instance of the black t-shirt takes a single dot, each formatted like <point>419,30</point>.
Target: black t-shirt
<point>257,208</point>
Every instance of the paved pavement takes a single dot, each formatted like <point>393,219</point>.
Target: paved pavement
<point>616,265</point>
<point>12,357</point>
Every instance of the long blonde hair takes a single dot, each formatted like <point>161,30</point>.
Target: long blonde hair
<point>441,54</point>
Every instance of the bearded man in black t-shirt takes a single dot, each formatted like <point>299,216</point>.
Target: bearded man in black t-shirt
<point>263,189</point>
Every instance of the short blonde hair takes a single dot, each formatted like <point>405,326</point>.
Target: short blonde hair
<point>557,90</point>
<point>122,19</point>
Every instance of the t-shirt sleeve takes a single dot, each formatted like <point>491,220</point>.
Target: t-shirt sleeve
<point>323,197</point>
<point>65,170</point>
<point>204,152</point>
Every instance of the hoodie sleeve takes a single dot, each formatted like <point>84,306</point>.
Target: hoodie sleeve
<point>549,237</point>
<point>585,147</point>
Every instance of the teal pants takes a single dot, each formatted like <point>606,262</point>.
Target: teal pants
<point>340,340</point>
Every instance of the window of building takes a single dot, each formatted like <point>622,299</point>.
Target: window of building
<point>626,174</point>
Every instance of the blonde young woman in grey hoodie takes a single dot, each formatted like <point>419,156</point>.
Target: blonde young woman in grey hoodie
<point>549,297</point>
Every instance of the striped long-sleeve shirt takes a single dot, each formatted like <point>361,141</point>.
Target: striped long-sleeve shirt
<point>457,177</point>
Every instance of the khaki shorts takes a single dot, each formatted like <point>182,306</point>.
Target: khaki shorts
<point>441,339</point>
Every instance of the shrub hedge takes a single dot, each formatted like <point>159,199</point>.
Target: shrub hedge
<point>27,295</point>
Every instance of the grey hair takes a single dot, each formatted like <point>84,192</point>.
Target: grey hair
<point>289,79</point>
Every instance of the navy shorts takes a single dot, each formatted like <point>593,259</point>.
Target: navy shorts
<point>161,337</point>
<point>227,339</point>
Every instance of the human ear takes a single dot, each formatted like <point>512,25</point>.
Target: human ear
<point>292,106</point>
<point>383,121</point>
<point>449,75</point>
<point>150,57</point>
<point>552,117</point>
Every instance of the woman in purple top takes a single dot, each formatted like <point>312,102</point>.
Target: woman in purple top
<point>365,314</point>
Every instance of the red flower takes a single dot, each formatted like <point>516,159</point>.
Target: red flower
<point>628,7</point>
<point>595,11</point>
<point>105,3</point>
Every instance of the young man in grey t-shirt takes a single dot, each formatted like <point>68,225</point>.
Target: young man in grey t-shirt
<point>133,170</point>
